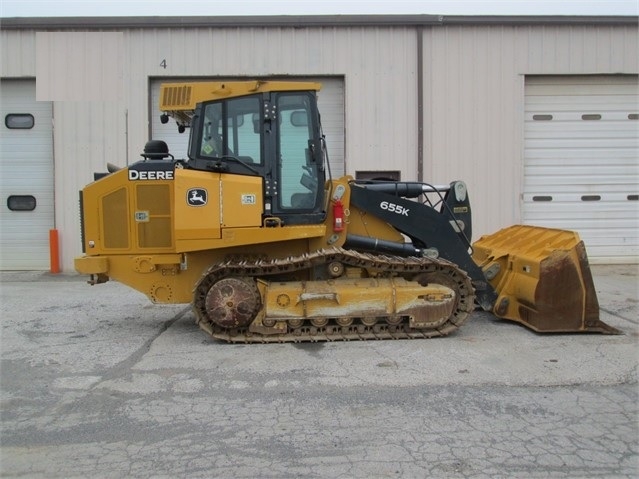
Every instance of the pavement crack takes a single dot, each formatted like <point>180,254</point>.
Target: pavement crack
<point>617,315</point>
<point>128,363</point>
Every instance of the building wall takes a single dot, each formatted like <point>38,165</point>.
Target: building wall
<point>474,101</point>
<point>473,93</point>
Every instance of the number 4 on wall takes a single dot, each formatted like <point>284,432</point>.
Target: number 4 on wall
<point>163,63</point>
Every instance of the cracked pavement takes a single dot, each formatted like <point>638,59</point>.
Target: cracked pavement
<point>98,382</point>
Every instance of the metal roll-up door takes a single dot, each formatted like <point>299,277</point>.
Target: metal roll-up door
<point>330,102</point>
<point>581,167</point>
<point>26,177</point>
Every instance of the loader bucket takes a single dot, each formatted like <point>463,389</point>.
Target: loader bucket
<point>542,278</point>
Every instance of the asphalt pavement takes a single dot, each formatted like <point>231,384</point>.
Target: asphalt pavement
<point>95,381</point>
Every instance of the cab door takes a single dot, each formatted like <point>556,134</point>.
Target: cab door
<point>299,167</point>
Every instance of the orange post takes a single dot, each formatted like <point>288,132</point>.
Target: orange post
<point>54,251</point>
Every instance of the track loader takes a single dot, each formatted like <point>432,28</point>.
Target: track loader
<point>253,232</point>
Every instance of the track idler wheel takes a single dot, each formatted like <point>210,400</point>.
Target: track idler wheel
<point>233,302</point>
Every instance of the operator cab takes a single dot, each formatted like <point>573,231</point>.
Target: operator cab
<point>275,135</point>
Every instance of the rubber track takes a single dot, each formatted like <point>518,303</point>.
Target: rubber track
<point>386,265</point>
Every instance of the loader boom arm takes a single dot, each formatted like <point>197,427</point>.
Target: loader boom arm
<point>428,229</point>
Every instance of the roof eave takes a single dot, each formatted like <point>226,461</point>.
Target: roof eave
<point>301,21</point>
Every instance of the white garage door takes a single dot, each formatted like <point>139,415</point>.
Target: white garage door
<point>26,177</point>
<point>581,165</point>
<point>330,102</point>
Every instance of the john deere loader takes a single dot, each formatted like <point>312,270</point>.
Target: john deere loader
<point>253,232</point>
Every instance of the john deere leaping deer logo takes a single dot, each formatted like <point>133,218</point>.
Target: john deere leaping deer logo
<point>196,197</point>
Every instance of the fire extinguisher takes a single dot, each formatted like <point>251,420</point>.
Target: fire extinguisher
<point>338,216</point>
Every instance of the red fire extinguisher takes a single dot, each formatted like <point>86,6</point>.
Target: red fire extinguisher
<point>338,216</point>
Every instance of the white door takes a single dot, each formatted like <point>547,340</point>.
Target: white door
<point>581,161</point>
<point>26,177</point>
<point>330,102</point>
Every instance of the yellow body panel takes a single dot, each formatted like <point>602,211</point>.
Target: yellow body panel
<point>199,222</point>
<point>91,264</point>
<point>107,222</point>
<point>364,224</point>
<point>346,297</point>
<point>242,201</point>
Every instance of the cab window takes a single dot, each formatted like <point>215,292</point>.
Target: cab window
<point>298,171</point>
<point>231,128</point>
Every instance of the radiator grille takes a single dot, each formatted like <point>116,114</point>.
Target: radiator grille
<point>176,96</point>
<point>156,201</point>
<point>115,226</point>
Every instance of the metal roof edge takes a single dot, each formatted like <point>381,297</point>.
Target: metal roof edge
<point>541,20</point>
<point>219,21</point>
<point>300,21</point>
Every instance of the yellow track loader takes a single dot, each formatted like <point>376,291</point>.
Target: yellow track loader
<point>253,232</point>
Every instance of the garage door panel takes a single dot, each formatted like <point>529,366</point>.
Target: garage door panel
<point>612,129</point>
<point>545,116</point>
<point>579,154</point>
<point>582,182</point>
<point>612,246</point>
<point>588,85</point>
<point>564,106</point>
<point>607,217</point>
<point>548,173</point>
<point>615,232</point>
<point>581,194</point>
<point>18,236</point>
<point>612,233</point>
<point>597,143</point>
<point>580,160</point>
<point>576,160</point>
<point>594,137</point>
<point>579,190</point>
<point>613,199</point>
<point>38,172</point>
<point>26,161</point>
<point>29,262</point>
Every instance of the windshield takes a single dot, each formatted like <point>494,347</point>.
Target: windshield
<point>231,129</point>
